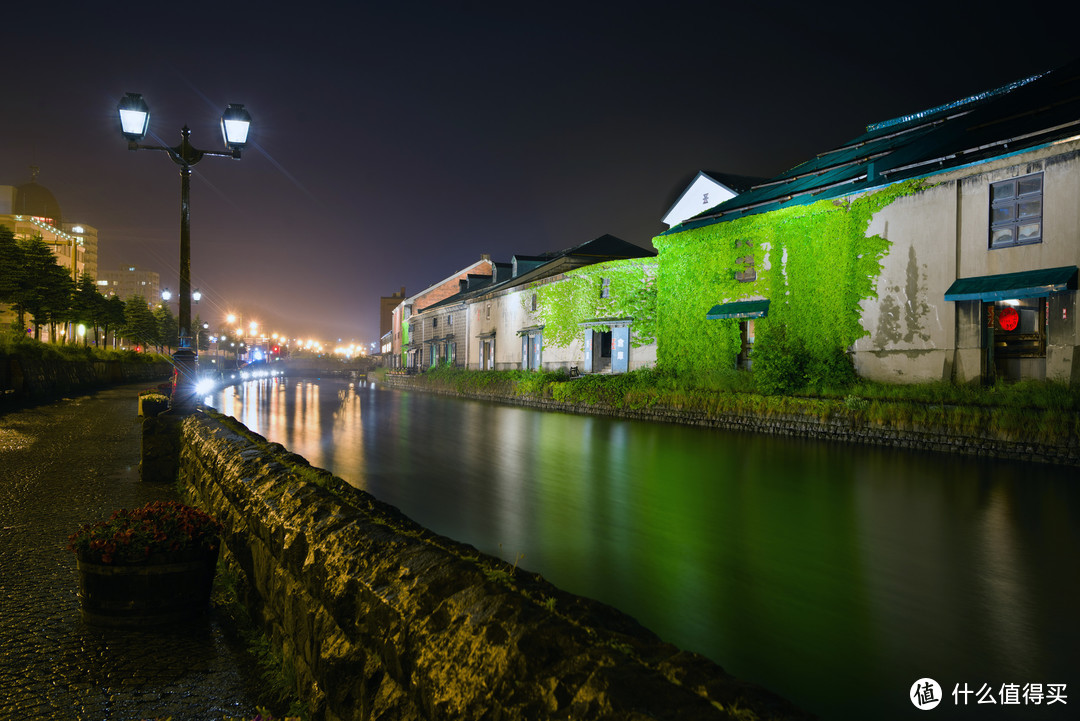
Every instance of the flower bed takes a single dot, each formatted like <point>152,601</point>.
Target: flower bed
<point>147,567</point>
<point>156,528</point>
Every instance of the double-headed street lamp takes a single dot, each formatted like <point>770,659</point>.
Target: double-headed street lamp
<point>235,123</point>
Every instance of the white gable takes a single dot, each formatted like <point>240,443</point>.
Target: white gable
<point>702,193</point>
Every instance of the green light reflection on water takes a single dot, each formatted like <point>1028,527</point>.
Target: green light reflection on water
<point>799,565</point>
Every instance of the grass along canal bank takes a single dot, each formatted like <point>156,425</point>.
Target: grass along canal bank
<point>1027,421</point>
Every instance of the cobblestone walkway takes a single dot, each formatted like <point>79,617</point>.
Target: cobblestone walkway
<point>61,465</point>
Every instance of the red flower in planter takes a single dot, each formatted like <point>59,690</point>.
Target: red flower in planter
<point>132,536</point>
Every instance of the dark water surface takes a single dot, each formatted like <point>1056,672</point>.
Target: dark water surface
<point>834,575</point>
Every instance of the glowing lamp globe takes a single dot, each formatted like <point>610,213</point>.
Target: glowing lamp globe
<point>134,117</point>
<point>235,123</point>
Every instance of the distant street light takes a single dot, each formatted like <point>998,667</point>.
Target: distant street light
<point>134,122</point>
<point>166,294</point>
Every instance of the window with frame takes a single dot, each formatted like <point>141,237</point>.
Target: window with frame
<point>434,322</point>
<point>605,287</point>
<point>1016,211</point>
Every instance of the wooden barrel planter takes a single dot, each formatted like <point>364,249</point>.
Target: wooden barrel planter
<point>165,588</point>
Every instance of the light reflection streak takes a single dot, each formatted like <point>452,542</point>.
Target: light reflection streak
<point>842,562</point>
<point>1004,594</point>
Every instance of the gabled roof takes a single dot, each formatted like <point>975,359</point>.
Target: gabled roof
<point>1021,115</point>
<point>737,183</point>
<point>598,250</point>
<point>734,184</point>
<point>483,260</point>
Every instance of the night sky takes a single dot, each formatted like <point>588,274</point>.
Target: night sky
<point>393,144</point>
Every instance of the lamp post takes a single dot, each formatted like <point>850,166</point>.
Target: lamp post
<point>235,123</point>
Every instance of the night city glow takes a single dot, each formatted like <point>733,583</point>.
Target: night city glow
<point>761,319</point>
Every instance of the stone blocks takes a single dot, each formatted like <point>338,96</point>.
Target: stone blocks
<point>383,619</point>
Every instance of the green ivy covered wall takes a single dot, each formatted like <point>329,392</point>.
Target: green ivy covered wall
<point>813,262</point>
<point>579,297</point>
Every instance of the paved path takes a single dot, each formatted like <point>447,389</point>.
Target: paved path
<point>61,465</point>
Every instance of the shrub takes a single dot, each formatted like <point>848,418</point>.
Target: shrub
<point>779,362</point>
<point>832,371</point>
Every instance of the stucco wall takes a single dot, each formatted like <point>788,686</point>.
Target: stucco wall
<point>384,619</point>
<point>911,327</point>
<point>941,234</point>
<point>509,313</point>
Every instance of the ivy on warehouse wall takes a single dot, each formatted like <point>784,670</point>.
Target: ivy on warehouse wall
<point>814,263</point>
<point>562,305</point>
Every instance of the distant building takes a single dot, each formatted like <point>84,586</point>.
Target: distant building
<point>408,350</point>
<point>495,323</point>
<point>129,282</point>
<point>387,303</point>
<point>86,238</point>
<point>31,209</point>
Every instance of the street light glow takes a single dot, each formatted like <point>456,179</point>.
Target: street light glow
<point>235,123</point>
<point>134,117</point>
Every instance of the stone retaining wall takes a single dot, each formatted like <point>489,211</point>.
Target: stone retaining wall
<point>25,379</point>
<point>383,619</point>
<point>841,429</point>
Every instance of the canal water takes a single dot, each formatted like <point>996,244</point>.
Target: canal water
<point>834,575</point>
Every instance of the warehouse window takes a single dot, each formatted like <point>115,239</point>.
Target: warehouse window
<point>1016,211</point>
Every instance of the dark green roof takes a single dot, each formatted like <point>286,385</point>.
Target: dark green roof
<point>598,250</point>
<point>1026,284</point>
<point>1024,114</point>
<point>739,309</point>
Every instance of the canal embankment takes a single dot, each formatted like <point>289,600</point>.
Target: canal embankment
<point>938,428</point>
<point>30,378</point>
<point>382,618</point>
<point>68,463</point>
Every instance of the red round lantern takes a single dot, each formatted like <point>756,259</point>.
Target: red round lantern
<point>1008,318</point>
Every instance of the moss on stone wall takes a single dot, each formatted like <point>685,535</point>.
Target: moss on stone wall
<point>382,618</point>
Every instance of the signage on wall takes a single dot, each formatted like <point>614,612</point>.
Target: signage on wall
<point>1008,318</point>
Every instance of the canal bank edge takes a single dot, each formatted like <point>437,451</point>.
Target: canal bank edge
<point>24,379</point>
<point>381,618</point>
<point>840,428</point>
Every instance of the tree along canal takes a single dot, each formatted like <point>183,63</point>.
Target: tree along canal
<point>835,575</point>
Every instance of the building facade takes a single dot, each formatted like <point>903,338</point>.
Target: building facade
<point>501,322</point>
<point>942,245</point>
<point>30,210</point>
<point>409,342</point>
<point>129,282</point>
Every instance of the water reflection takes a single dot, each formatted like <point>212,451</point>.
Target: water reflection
<point>834,575</point>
